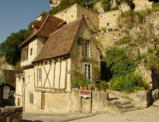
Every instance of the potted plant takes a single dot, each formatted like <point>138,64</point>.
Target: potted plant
<point>83,84</point>
<point>104,85</point>
<point>76,82</point>
<point>97,87</point>
<point>86,82</point>
<point>90,87</point>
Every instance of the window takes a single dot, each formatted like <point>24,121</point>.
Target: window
<point>39,74</point>
<point>24,53</point>
<point>31,51</point>
<point>86,49</point>
<point>87,71</point>
<point>31,98</point>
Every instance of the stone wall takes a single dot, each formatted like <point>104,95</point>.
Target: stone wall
<point>142,5</point>
<point>138,98</point>
<point>69,14</point>
<point>146,74</point>
<point>109,20</point>
<point>11,114</point>
<point>76,11</point>
<point>107,39</point>
<point>66,102</point>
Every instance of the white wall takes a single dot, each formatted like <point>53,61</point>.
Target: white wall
<point>19,90</point>
<point>55,75</point>
<point>35,45</point>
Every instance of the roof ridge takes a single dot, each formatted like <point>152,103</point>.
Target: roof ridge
<point>47,19</point>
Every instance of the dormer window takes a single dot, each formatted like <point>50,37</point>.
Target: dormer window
<point>86,49</point>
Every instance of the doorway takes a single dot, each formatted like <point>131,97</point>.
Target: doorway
<point>42,100</point>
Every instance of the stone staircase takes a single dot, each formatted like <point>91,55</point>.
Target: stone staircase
<point>120,105</point>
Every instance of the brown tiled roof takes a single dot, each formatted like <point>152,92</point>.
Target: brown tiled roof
<point>59,42</point>
<point>49,25</point>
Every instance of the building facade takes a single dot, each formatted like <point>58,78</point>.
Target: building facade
<point>50,65</point>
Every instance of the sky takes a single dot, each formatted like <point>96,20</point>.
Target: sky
<point>17,14</point>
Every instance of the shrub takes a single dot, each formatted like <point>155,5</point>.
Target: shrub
<point>83,83</point>
<point>106,4</point>
<point>155,6</point>
<point>126,40</point>
<point>79,81</point>
<point>119,62</point>
<point>126,83</point>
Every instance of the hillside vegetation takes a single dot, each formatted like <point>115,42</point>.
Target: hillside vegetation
<point>138,45</point>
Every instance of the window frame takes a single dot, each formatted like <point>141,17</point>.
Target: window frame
<point>86,52</point>
<point>31,51</point>
<point>39,74</point>
<point>85,75</point>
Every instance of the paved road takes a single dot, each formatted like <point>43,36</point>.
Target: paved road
<point>146,115</point>
<point>150,114</point>
<point>48,117</point>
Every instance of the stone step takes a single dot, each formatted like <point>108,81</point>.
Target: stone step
<point>126,106</point>
<point>128,109</point>
<point>120,102</point>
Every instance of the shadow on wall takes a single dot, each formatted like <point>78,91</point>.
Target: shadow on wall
<point>153,94</point>
<point>155,77</point>
<point>106,74</point>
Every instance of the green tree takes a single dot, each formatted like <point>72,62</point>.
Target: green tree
<point>9,48</point>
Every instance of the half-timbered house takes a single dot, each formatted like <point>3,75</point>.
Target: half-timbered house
<point>50,70</point>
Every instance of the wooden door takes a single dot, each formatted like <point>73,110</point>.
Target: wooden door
<point>42,100</point>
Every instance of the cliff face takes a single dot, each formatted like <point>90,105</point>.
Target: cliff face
<point>135,5</point>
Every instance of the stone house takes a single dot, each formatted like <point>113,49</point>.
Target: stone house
<point>51,60</point>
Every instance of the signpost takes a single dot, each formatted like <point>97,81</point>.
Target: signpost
<point>85,94</point>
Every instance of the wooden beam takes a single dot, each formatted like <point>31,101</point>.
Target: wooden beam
<point>54,74</point>
<point>60,75</point>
